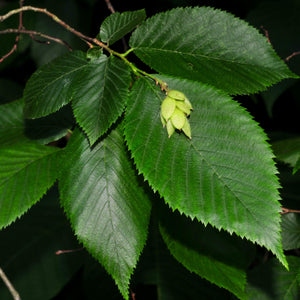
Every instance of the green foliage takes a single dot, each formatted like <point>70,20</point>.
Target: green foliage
<point>290,231</point>
<point>212,254</point>
<point>288,151</point>
<point>212,47</point>
<point>28,257</point>
<point>214,196</point>
<point>108,209</point>
<point>24,167</point>
<point>50,87</point>
<point>99,95</point>
<point>117,25</point>
<point>207,170</point>
<point>280,285</point>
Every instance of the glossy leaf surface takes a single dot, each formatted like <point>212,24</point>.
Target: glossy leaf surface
<point>210,46</point>
<point>100,93</point>
<point>208,177</point>
<point>108,209</point>
<point>48,89</point>
<point>27,171</point>
<point>117,25</point>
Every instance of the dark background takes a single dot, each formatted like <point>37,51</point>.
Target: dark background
<point>277,110</point>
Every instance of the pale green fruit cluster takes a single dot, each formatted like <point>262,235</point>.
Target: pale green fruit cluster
<point>174,112</point>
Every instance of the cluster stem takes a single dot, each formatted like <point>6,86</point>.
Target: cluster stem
<point>89,40</point>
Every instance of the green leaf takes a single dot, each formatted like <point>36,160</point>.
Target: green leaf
<point>210,46</point>
<point>14,129</point>
<point>28,257</point>
<point>117,25</point>
<point>48,89</point>
<point>224,175</point>
<point>108,208</point>
<point>297,165</point>
<point>211,254</point>
<point>157,268</point>
<point>12,123</point>
<point>287,150</point>
<point>100,93</point>
<point>290,231</point>
<point>290,192</point>
<point>76,16</point>
<point>52,127</point>
<point>27,171</point>
<point>270,281</point>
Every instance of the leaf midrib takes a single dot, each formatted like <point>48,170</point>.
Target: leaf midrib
<point>206,57</point>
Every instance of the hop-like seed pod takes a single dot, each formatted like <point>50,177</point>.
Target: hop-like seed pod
<point>178,118</point>
<point>170,128</point>
<point>183,106</point>
<point>175,109</point>
<point>167,108</point>
<point>176,95</point>
<point>187,129</point>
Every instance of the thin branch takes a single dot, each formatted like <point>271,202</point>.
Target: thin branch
<point>14,47</point>
<point>10,287</point>
<point>58,252</point>
<point>268,39</point>
<point>266,33</point>
<point>87,39</point>
<point>112,10</point>
<point>287,210</point>
<point>57,20</point>
<point>132,293</point>
<point>36,33</point>
<point>109,6</point>
<point>292,55</point>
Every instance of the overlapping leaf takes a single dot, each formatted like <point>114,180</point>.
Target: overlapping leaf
<point>48,89</point>
<point>100,93</point>
<point>27,171</point>
<point>288,151</point>
<point>271,281</point>
<point>117,25</point>
<point>157,268</point>
<point>290,231</point>
<point>28,257</point>
<point>224,176</point>
<point>11,123</point>
<point>50,128</point>
<point>213,255</point>
<point>14,129</point>
<point>108,209</point>
<point>210,46</point>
